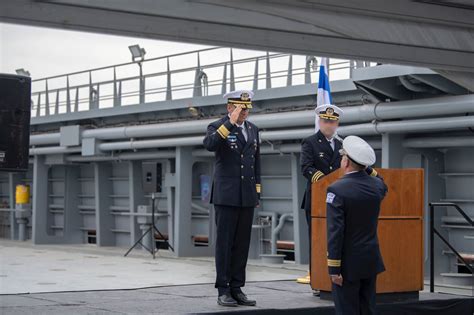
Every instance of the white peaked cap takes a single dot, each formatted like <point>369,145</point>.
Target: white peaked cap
<point>359,150</point>
<point>329,111</point>
<point>238,94</point>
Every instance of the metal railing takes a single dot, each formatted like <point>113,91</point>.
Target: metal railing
<point>113,86</point>
<point>434,231</point>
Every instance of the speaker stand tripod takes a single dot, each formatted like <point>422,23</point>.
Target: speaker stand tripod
<point>152,229</point>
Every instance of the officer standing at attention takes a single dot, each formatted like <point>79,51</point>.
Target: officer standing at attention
<point>353,207</point>
<point>319,157</point>
<point>235,194</point>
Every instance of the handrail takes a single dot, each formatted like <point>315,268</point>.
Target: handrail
<point>434,231</point>
<point>177,87</point>
<point>126,64</point>
<point>277,230</point>
<point>55,95</point>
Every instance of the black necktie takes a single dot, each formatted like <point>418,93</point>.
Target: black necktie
<point>241,133</point>
<point>330,144</point>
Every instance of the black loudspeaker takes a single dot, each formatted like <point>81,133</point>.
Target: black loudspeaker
<point>151,177</point>
<point>15,111</point>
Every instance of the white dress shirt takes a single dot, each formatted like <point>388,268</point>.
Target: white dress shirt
<point>331,142</point>
<point>243,129</point>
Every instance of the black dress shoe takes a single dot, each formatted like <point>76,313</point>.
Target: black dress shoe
<point>226,300</point>
<point>242,299</point>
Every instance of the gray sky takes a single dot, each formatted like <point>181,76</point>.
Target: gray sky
<point>46,52</point>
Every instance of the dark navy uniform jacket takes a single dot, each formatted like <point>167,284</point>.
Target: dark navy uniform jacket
<point>353,207</point>
<point>237,167</point>
<point>317,159</point>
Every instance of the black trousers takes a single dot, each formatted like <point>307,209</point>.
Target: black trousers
<point>355,297</point>
<point>308,221</point>
<point>234,227</point>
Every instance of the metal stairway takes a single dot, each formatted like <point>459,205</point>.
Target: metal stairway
<point>459,189</point>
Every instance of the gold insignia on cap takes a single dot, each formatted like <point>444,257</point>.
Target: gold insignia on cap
<point>329,114</point>
<point>245,96</point>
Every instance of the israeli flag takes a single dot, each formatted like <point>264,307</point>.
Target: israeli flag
<point>324,90</point>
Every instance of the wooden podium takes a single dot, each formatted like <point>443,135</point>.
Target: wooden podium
<point>400,232</point>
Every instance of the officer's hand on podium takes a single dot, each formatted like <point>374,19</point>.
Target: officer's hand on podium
<point>337,280</point>
<point>234,116</point>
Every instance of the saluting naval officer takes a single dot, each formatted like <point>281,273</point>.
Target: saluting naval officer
<point>235,194</point>
<point>353,206</point>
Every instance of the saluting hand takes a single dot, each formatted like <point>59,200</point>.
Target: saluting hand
<point>234,116</point>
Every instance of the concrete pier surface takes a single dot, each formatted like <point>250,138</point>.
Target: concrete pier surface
<point>82,279</point>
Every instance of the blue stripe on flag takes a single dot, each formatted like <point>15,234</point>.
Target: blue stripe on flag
<point>323,84</point>
<point>324,90</point>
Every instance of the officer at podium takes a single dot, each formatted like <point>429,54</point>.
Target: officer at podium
<point>353,206</point>
<point>319,157</point>
<point>235,193</point>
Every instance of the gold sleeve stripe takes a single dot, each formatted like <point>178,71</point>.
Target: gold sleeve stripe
<point>334,263</point>
<point>223,131</point>
<point>259,188</point>
<point>317,176</point>
<point>374,173</point>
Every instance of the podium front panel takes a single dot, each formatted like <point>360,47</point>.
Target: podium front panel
<point>401,244</point>
<point>400,231</point>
